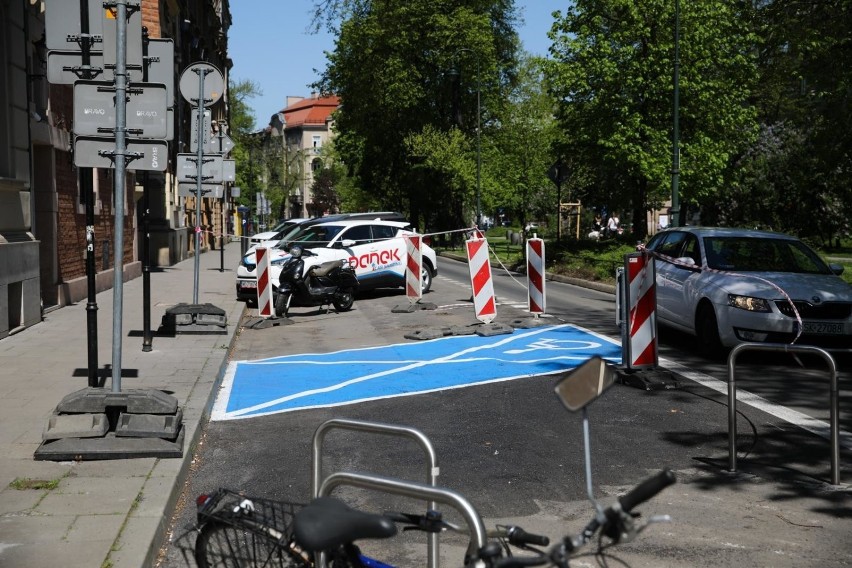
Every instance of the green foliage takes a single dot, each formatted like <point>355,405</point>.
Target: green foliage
<point>390,67</point>
<point>612,71</point>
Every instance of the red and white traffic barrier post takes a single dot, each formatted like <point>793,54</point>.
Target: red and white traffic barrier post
<point>481,281</point>
<point>413,268</point>
<point>264,286</point>
<point>639,330</point>
<point>535,276</point>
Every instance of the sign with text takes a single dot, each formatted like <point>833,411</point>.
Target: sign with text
<point>94,109</point>
<point>143,155</point>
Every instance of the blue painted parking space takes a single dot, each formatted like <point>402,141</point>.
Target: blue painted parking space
<point>312,380</point>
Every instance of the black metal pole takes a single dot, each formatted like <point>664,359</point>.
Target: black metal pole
<point>86,180</point>
<point>147,337</point>
<point>87,187</point>
<point>675,217</point>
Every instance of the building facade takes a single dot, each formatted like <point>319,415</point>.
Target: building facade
<point>302,129</point>
<point>45,236</point>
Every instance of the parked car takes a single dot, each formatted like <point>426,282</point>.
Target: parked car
<point>290,228</point>
<point>276,233</point>
<point>728,286</point>
<point>374,248</point>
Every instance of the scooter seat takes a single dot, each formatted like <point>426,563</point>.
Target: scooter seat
<point>326,267</point>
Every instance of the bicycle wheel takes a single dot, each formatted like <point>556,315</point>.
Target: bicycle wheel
<point>222,545</point>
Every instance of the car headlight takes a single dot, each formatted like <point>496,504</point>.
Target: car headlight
<point>748,303</point>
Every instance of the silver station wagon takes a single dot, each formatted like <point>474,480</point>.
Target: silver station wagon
<point>728,286</point>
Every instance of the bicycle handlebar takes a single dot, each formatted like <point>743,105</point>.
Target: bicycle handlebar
<point>646,490</point>
<point>615,522</point>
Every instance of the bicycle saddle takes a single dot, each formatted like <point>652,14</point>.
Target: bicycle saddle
<point>327,523</point>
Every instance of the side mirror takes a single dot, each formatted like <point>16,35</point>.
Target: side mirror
<point>348,243</point>
<point>836,268</point>
<point>580,386</point>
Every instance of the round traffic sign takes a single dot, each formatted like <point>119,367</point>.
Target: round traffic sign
<point>203,75</point>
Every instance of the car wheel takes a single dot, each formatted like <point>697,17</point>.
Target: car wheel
<point>344,299</point>
<point>707,330</point>
<point>426,277</point>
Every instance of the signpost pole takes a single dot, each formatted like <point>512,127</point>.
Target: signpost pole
<point>199,154</point>
<point>119,185</point>
<point>224,218</point>
<point>147,337</point>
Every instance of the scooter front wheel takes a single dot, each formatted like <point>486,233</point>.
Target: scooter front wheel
<point>282,304</point>
<point>343,299</point>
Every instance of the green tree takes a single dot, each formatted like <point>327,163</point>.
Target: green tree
<point>390,68</point>
<point>798,178</point>
<point>241,127</point>
<point>612,73</point>
<point>524,148</point>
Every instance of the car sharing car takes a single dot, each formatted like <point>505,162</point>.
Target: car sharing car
<point>374,248</point>
<point>728,286</point>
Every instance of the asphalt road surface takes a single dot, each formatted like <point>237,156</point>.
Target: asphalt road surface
<point>510,447</point>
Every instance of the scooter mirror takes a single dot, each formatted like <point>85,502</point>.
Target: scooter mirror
<point>582,385</point>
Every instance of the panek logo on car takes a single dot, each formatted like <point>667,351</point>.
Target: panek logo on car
<point>385,257</point>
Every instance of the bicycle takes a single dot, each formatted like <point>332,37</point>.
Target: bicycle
<point>236,530</point>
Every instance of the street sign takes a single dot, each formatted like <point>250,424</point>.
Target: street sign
<point>558,172</point>
<point>134,37</point>
<point>219,143</point>
<point>62,25</point>
<point>160,62</point>
<point>94,109</point>
<point>186,169</point>
<point>96,152</point>
<point>208,190</point>
<point>229,171</point>
<point>205,131</point>
<point>212,88</point>
<point>65,67</point>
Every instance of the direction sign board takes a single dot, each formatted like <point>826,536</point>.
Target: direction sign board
<point>219,143</point>
<point>94,109</point>
<point>205,131</point>
<point>208,190</point>
<point>160,63</point>
<point>204,79</point>
<point>134,37</point>
<point>186,169</point>
<point>96,152</point>
<point>65,67</point>
<point>62,25</point>
<point>229,171</point>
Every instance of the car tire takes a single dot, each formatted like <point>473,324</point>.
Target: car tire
<point>426,278</point>
<point>707,332</point>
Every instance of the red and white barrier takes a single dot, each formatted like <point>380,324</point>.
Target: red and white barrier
<point>264,287</point>
<point>535,276</point>
<point>481,281</point>
<point>413,268</point>
<point>639,341</point>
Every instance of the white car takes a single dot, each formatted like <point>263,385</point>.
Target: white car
<point>728,286</point>
<point>374,248</point>
<point>269,238</point>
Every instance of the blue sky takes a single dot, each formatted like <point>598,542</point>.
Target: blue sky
<point>269,44</point>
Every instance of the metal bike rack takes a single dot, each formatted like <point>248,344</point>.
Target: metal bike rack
<point>478,536</point>
<point>432,470</point>
<point>833,399</point>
